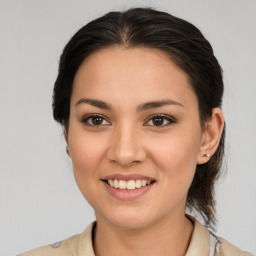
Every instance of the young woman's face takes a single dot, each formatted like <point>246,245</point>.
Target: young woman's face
<point>134,135</point>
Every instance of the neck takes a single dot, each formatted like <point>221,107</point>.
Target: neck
<point>166,237</point>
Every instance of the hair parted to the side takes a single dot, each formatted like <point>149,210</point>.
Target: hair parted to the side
<point>186,46</point>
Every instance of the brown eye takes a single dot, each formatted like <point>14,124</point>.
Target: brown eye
<point>95,120</point>
<point>160,121</point>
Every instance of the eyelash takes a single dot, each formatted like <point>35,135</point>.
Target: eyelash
<point>169,119</point>
<point>86,118</point>
<point>165,118</point>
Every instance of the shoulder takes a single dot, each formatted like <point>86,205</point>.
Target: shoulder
<point>227,249</point>
<point>65,247</point>
<point>80,244</point>
<point>205,243</point>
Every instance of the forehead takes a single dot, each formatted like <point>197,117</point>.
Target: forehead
<point>134,73</point>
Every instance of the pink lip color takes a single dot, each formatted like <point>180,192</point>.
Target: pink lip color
<point>126,194</point>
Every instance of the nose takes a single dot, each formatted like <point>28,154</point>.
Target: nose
<point>126,147</point>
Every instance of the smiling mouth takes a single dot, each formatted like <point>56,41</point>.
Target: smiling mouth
<point>128,185</point>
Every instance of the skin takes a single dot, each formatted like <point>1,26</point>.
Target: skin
<point>127,141</point>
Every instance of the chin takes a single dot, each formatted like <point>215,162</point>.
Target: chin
<point>127,219</point>
<point>131,223</point>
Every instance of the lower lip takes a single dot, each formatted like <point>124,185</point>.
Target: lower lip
<point>126,194</point>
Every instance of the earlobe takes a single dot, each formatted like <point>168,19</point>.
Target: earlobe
<point>65,132</point>
<point>66,138</point>
<point>213,129</point>
<point>67,150</point>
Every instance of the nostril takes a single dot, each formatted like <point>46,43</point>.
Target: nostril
<point>126,151</point>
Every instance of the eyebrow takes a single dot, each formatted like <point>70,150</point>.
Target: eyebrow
<point>157,104</point>
<point>140,108</point>
<point>95,103</point>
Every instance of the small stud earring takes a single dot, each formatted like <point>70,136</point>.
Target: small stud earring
<point>206,155</point>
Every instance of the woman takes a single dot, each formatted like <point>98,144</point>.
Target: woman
<point>139,96</point>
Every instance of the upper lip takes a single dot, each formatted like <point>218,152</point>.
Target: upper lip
<point>127,177</point>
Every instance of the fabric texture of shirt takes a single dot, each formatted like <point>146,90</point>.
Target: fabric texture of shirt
<point>202,243</point>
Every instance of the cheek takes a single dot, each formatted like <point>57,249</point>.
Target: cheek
<point>86,153</point>
<point>176,156</point>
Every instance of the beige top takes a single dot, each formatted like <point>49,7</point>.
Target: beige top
<point>202,244</point>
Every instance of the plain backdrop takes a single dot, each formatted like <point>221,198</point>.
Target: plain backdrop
<point>39,200</point>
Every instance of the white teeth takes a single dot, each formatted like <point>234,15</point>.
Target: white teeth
<point>130,184</point>
<point>116,183</point>
<point>138,183</point>
<point>143,183</point>
<point>122,184</point>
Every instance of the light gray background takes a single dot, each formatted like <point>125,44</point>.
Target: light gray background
<point>39,200</point>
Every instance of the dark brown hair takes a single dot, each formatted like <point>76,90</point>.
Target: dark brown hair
<point>187,47</point>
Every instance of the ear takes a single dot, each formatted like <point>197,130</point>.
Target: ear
<point>65,132</point>
<point>211,136</point>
